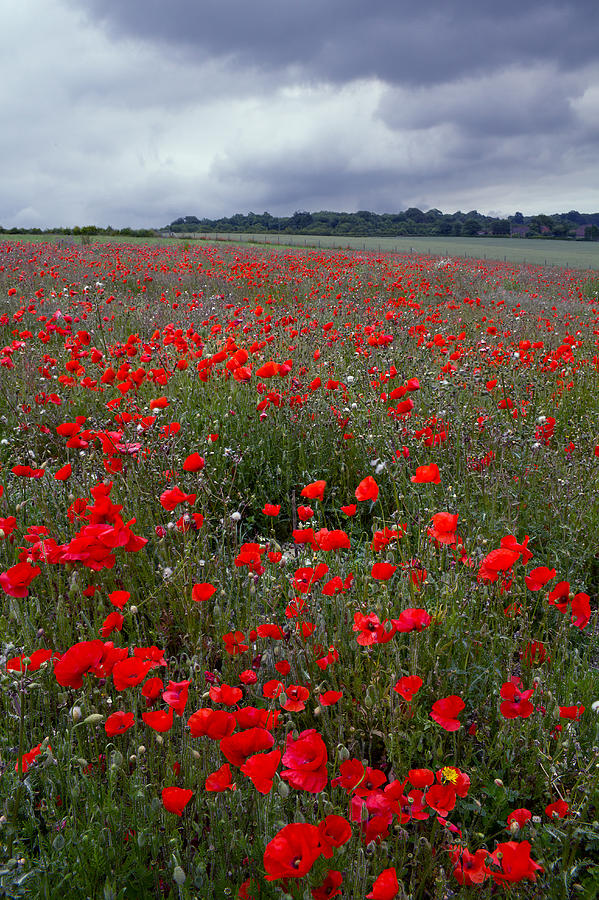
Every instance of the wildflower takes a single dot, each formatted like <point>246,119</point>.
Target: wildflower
<point>118,723</point>
<point>175,799</point>
<point>385,887</point>
<point>202,592</point>
<point>368,489</point>
<point>330,887</point>
<point>220,780</point>
<point>427,474</point>
<point>516,702</point>
<point>260,768</point>
<point>408,686</point>
<point>571,712</point>
<point>306,761</point>
<point>315,490</point>
<point>292,852</point>
<point>270,509</point>
<point>446,711</point>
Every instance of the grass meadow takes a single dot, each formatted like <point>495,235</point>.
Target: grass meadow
<point>298,573</point>
<point>575,254</point>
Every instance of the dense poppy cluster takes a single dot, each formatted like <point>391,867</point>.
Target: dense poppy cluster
<point>295,438</point>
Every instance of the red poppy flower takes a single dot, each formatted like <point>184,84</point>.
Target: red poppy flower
<point>16,580</point>
<point>193,463</point>
<point>36,660</point>
<point>306,761</point>
<point>304,513</point>
<point>261,768</point>
<point>427,474</point>
<point>368,489</point>
<point>119,598</point>
<point>239,747</point>
<point>446,711</point>
<point>580,609</point>
<point>296,696</point>
<point>113,622</point>
<point>268,370</point>
<point>557,810</point>
<point>538,578</point>
<point>329,698</point>
<point>315,490</point>
<point>63,473</point>
<point>292,852</point>
<point>130,671</point>
<point>515,862</point>
<point>271,509</point>
<point>152,688</point>
<point>224,693</point>
<point>77,661</point>
<point>408,686</point>
<point>213,723</point>
<point>560,596</point>
<point>371,630</point>
<point>175,799</point>
<point>349,510</point>
<point>118,723</point>
<point>571,712</point>
<point>441,798</point>
<point>202,592</point>
<point>28,758</point>
<point>220,780</point>
<point>234,643</point>
<point>383,571</point>
<point>334,832</point>
<point>412,619</point>
<point>421,778</point>
<point>516,702</point>
<point>444,528</point>
<point>385,887</point>
<point>352,774</point>
<point>159,720</point>
<point>175,694</point>
<point>520,816</point>
<point>332,540</point>
<point>469,868</point>
<point>330,887</point>
<point>173,497</point>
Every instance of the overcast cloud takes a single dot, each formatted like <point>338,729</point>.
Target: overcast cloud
<point>134,112</point>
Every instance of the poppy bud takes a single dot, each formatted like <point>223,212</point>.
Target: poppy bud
<point>93,719</point>
<point>178,875</point>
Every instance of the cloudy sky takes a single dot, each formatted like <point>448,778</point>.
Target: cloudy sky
<point>134,112</point>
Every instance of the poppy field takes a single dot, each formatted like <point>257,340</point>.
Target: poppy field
<point>299,571</point>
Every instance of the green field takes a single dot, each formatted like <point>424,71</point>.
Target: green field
<point>569,254</point>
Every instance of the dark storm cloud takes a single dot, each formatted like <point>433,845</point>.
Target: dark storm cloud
<point>292,182</point>
<point>397,41</point>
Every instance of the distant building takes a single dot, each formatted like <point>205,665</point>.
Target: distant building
<point>519,231</point>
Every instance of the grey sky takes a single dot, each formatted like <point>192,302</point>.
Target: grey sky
<point>133,112</point>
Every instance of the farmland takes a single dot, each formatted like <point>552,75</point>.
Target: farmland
<point>299,572</point>
<point>578,254</point>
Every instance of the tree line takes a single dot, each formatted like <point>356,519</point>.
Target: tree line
<point>412,221</point>
<point>572,225</point>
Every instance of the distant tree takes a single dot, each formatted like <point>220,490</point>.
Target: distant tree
<point>500,227</point>
<point>471,227</point>
<point>300,220</point>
